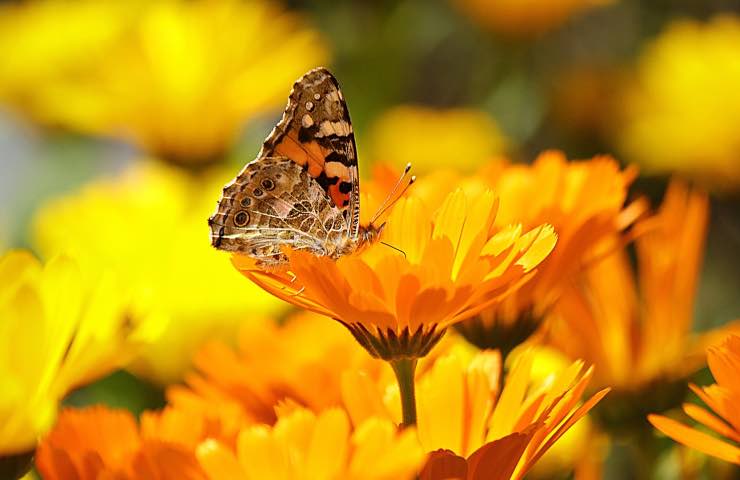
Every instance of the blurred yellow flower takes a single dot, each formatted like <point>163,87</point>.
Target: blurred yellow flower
<point>96,443</point>
<point>635,327</point>
<point>147,225</point>
<point>178,78</point>
<point>48,42</point>
<point>60,327</point>
<point>722,398</point>
<point>462,414</point>
<point>305,445</point>
<point>397,305</point>
<point>524,17</point>
<point>460,138</point>
<point>682,110</point>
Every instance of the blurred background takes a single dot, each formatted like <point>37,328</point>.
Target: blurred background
<point>119,121</point>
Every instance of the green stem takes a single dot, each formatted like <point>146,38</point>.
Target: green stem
<point>404,369</point>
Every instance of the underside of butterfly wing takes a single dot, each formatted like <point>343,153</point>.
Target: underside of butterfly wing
<point>272,204</point>
<point>302,191</point>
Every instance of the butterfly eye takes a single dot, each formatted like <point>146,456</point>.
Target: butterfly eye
<point>268,184</point>
<point>241,218</point>
<point>246,202</point>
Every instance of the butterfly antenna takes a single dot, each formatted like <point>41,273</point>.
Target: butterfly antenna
<point>394,248</point>
<point>394,194</point>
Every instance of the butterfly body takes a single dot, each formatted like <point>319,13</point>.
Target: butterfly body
<point>302,190</point>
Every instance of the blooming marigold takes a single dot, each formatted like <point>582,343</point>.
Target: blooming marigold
<point>635,327</point>
<point>300,361</point>
<point>584,202</point>
<point>398,304</point>
<point>178,78</point>
<point>97,442</point>
<point>305,445</point>
<point>685,89</point>
<point>721,397</point>
<point>60,328</point>
<point>146,225</point>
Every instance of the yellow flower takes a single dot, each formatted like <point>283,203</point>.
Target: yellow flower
<point>179,78</point>
<point>686,91</point>
<point>397,305</point>
<point>584,201</point>
<point>304,445</point>
<point>463,138</point>
<point>96,442</point>
<point>722,398</point>
<point>462,414</point>
<point>60,327</point>
<point>147,226</point>
<point>54,41</point>
<point>523,17</point>
<point>635,327</point>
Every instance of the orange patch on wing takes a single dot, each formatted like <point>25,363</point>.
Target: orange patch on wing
<point>309,153</point>
<point>338,197</point>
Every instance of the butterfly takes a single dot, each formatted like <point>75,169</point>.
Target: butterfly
<point>303,189</point>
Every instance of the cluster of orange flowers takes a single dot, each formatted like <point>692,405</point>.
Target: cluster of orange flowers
<point>512,257</point>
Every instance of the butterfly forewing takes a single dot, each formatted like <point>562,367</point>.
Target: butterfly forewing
<point>302,191</point>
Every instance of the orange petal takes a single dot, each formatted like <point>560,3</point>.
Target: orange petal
<point>712,421</point>
<point>695,439</point>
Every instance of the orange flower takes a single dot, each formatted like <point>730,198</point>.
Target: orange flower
<point>397,305</point>
<point>295,362</point>
<point>583,201</point>
<point>301,362</point>
<point>723,398</point>
<point>635,327</point>
<point>96,443</point>
<point>462,415</point>
<point>304,445</point>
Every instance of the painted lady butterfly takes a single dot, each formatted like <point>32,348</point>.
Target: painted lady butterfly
<point>303,189</point>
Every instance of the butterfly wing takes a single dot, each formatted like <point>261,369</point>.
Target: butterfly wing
<point>303,189</point>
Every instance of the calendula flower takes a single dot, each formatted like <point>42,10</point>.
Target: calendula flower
<point>685,90</point>
<point>635,326</point>
<point>722,398</point>
<point>61,328</point>
<point>463,138</point>
<point>305,445</point>
<point>299,361</point>
<point>147,226</point>
<point>397,302</point>
<point>97,442</point>
<point>471,425</point>
<point>523,18</point>
<point>180,80</point>
<point>303,361</point>
<point>584,201</point>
